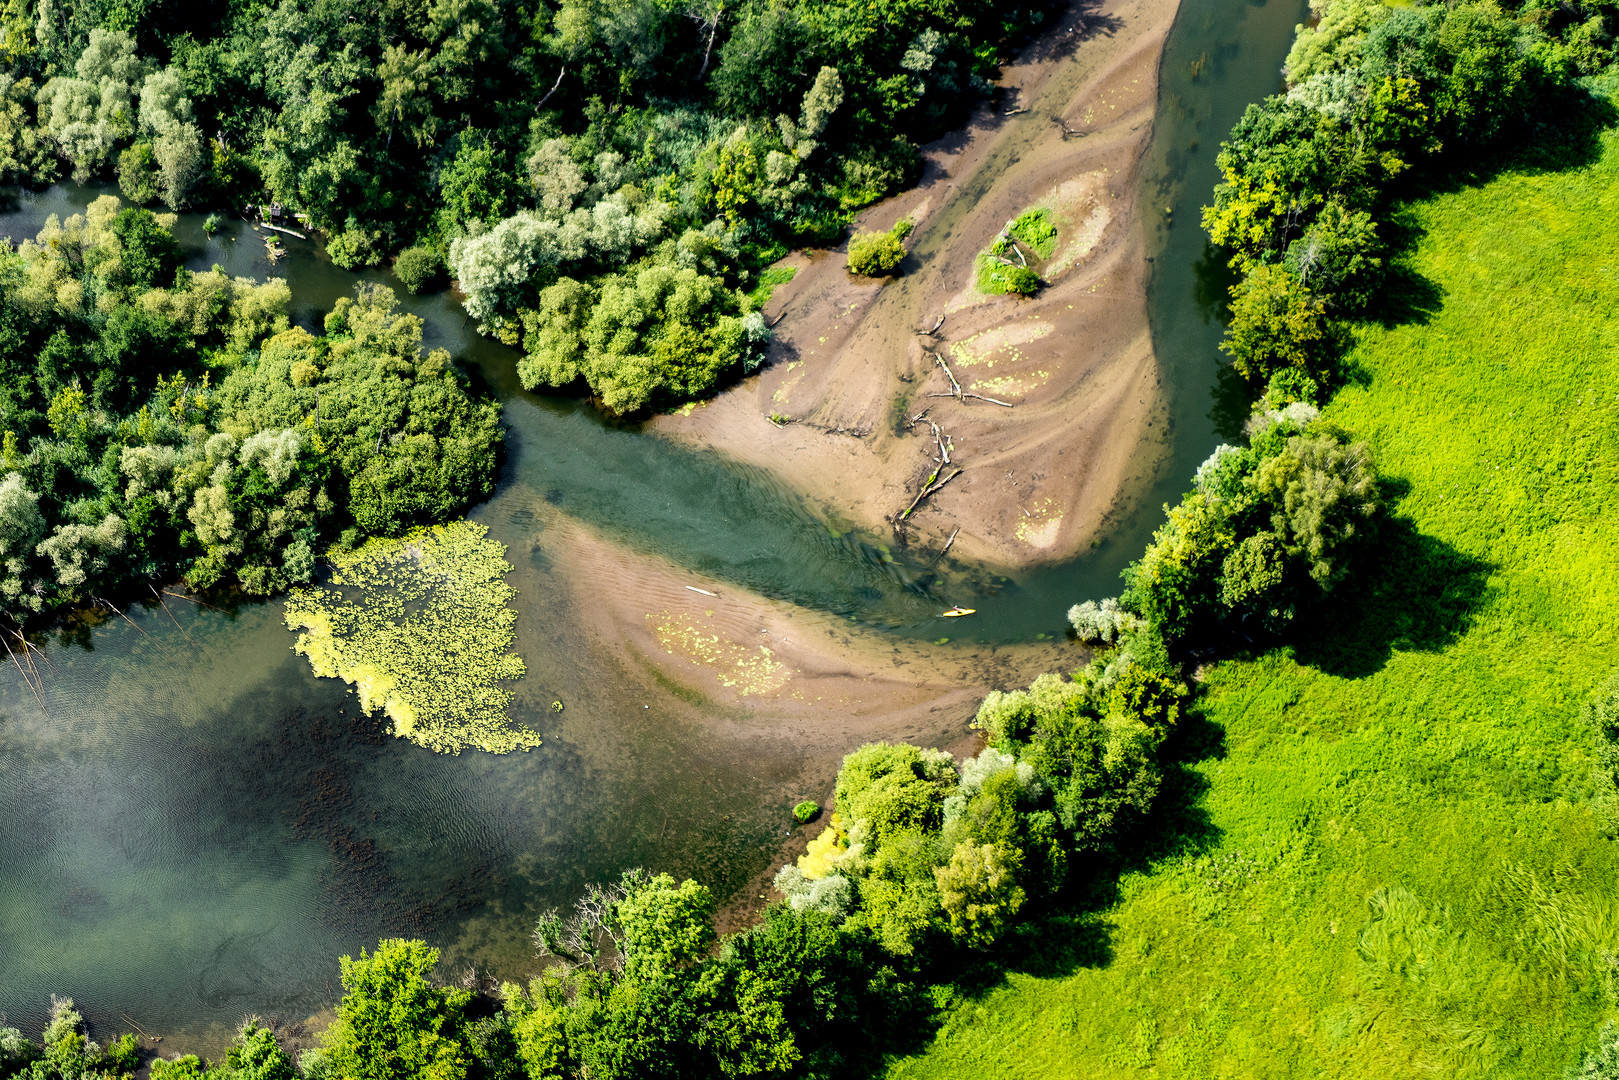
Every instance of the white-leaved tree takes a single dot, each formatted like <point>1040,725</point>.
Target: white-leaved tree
<point>165,116</point>
<point>86,114</point>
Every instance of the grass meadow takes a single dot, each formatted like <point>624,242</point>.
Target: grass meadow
<point>1383,863</point>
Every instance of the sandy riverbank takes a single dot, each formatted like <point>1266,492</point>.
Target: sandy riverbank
<point>784,691</point>
<point>1086,434</point>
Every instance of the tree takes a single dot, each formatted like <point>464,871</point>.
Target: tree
<point>662,927</point>
<point>1338,257</point>
<point>1324,498</point>
<point>1277,325</point>
<point>979,893</point>
<point>392,1024</point>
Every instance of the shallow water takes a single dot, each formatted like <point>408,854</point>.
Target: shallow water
<point>195,827</point>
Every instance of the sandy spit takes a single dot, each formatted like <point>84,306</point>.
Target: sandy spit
<point>853,360</point>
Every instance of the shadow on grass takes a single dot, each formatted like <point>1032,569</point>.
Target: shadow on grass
<point>1412,592</point>
<point>1073,932</point>
<point>1571,139</point>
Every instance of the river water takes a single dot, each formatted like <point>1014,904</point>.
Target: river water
<point>193,827</point>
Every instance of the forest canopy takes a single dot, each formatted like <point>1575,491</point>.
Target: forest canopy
<point>621,152</point>
<point>158,422</point>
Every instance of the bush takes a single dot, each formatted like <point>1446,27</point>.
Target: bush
<point>211,224</point>
<point>353,249</point>
<point>137,174</point>
<point>417,267</point>
<point>1037,230</point>
<point>875,254</point>
<point>997,278</point>
<point>806,811</point>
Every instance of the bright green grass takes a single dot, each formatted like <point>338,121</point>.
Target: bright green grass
<point>770,279</point>
<point>1425,744</point>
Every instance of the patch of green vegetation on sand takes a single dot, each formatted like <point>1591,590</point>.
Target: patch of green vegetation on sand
<point>1002,269</point>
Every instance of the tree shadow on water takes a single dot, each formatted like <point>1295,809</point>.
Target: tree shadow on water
<point>1412,592</point>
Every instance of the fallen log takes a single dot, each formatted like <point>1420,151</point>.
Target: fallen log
<point>928,489</point>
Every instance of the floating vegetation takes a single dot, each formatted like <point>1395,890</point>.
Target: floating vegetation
<point>419,627</point>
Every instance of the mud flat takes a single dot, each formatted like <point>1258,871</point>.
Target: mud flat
<point>854,359</point>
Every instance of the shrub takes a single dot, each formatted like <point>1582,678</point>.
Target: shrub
<point>417,267</point>
<point>211,224</point>
<point>806,812</point>
<point>875,254</point>
<point>353,248</point>
<point>189,1067</point>
<point>137,174</point>
<point>1038,230</point>
<point>996,278</point>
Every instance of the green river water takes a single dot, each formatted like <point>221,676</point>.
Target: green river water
<point>196,827</point>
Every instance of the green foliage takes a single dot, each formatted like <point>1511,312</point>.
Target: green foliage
<point>1395,864</point>
<point>187,1067</point>
<point>770,279</point>
<point>124,461</point>
<point>417,267</point>
<point>1601,1062</point>
<point>137,174</point>
<point>420,627</point>
<point>662,927</point>
<point>875,254</point>
<point>1278,326</point>
<point>255,1055</point>
<point>392,1024</point>
<point>1268,530</point>
<point>398,424</point>
<point>806,811</point>
<point>996,275</point>
<point>660,334</point>
<point>1038,230</point>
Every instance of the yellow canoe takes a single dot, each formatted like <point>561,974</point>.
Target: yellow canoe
<point>957,612</point>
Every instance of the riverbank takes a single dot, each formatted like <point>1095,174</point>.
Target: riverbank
<point>852,360</point>
<point>785,692</point>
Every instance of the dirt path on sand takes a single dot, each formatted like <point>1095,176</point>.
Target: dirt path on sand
<point>852,360</point>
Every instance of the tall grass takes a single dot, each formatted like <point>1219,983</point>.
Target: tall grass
<point>1399,875</point>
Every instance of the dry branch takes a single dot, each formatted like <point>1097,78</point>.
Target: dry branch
<point>928,489</point>
<point>24,673</point>
<point>170,614</point>
<point>553,89</point>
<point>193,599</point>
<point>946,549</point>
<point>959,393</point>
<point>111,607</point>
<point>938,437</point>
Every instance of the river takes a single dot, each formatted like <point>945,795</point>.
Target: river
<point>194,827</point>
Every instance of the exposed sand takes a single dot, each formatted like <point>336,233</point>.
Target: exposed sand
<point>1086,432</point>
<point>790,690</point>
